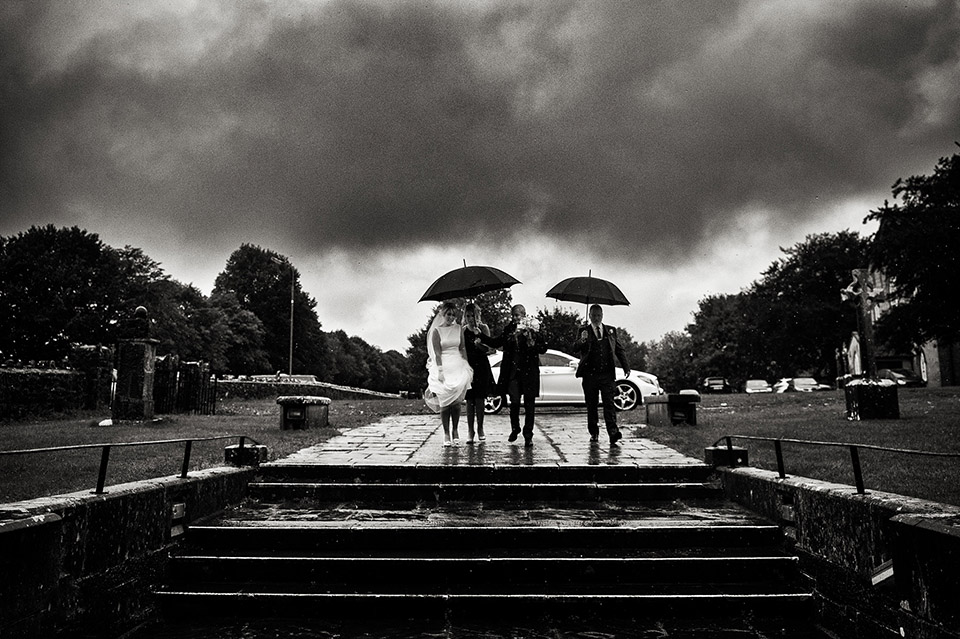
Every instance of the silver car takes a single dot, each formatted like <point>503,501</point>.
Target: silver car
<point>559,385</point>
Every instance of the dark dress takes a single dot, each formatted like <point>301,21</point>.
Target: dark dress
<point>477,358</point>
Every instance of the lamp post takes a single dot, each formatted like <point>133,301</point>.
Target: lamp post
<point>277,260</point>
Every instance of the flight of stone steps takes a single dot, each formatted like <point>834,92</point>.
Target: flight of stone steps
<point>501,541</point>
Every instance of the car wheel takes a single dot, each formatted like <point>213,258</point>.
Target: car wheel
<point>627,396</point>
<point>493,405</point>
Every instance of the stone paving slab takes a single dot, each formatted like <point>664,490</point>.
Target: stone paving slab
<point>558,440</point>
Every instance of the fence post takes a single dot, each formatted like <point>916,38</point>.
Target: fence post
<point>186,459</point>
<point>857,473</point>
<point>102,477</point>
<point>779,450</point>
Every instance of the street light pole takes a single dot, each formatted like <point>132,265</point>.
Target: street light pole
<point>290,358</point>
<point>277,260</point>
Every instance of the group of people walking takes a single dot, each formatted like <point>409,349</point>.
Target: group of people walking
<point>458,370</point>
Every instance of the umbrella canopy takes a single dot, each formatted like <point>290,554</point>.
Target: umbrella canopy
<point>589,290</point>
<point>468,281</point>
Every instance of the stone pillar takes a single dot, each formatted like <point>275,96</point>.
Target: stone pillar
<point>133,400</point>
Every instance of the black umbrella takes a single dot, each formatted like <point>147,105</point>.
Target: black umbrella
<point>589,290</point>
<point>468,281</point>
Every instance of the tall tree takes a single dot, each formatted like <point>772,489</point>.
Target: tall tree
<point>260,281</point>
<point>671,359</point>
<point>915,246</point>
<point>797,307</point>
<point>60,286</point>
<point>244,352</point>
<point>559,328</point>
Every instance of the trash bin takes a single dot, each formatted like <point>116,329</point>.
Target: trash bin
<point>672,409</point>
<point>303,411</point>
<point>871,399</point>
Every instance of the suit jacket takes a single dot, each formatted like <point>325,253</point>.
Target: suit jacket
<point>592,363</point>
<point>520,357</point>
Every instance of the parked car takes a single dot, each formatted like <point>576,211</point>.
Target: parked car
<point>757,386</point>
<point>799,384</point>
<point>559,385</point>
<point>901,376</point>
<point>716,385</point>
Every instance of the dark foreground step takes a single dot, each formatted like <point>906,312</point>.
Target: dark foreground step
<point>453,574</point>
<point>500,607</point>
<point>492,474</point>
<point>488,626</point>
<point>446,492</point>
<point>604,540</point>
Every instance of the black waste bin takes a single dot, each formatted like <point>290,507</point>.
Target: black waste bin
<point>303,411</point>
<point>871,399</point>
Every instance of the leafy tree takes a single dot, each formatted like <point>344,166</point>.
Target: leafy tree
<point>244,350</point>
<point>796,308</point>
<point>671,359</point>
<point>559,328</point>
<point>60,286</point>
<point>915,246</point>
<point>259,280</point>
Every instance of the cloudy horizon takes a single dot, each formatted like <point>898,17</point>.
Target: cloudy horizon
<point>671,147</point>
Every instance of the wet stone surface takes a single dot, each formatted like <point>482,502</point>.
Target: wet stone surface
<point>642,628</point>
<point>558,439</point>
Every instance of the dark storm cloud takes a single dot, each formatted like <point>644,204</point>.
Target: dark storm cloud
<point>391,124</point>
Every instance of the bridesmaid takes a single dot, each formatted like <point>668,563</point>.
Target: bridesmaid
<point>482,375</point>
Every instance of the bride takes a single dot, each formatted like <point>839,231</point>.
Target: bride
<point>448,374</point>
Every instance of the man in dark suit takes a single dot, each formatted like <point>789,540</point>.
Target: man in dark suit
<point>598,345</point>
<point>519,371</point>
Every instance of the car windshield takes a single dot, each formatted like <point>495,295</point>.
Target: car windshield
<point>756,383</point>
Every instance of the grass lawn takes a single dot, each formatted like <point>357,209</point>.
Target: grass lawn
<point>930,420</point>
<point>42,474</point>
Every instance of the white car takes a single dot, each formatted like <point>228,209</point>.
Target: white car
<point>559,385</point>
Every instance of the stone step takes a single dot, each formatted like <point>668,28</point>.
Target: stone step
<point>492,474</point>
<point>721,603</point>
<point>509,574</point>
<point>325,492</point>
<point>632,538</point>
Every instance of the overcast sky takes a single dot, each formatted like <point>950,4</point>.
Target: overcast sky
<point>671,147</point>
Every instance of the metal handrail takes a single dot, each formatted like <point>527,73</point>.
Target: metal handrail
<point>853,448</point>
<point>105,452</point>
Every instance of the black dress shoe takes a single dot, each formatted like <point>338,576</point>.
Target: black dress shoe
<point>617,436</point>
<point>594,439</point>
<point>528,442</point>
<point>513,435</point>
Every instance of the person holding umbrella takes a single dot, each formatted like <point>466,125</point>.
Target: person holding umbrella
<point>448,373</point>
<point>598,344</point>
<point>519,369</point>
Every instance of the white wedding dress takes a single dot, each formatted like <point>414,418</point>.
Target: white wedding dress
<point>457,374</point>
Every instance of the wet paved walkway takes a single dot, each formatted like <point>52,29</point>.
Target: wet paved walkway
<point>558,439</point>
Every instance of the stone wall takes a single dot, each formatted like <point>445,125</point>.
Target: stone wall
<point>84,564</point>
<point>873,565</point>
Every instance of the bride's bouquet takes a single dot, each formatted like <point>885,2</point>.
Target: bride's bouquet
<point>528,325</point>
